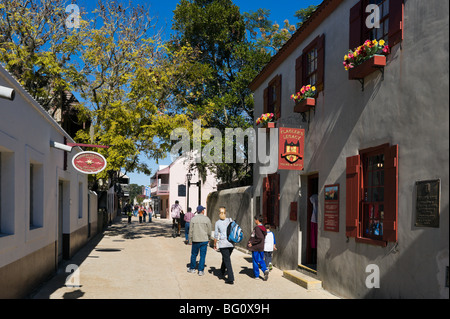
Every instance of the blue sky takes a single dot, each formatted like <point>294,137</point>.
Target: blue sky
<point>163,10</point>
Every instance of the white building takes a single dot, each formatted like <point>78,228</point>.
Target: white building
<point>46,210</point>
<point>170,183</point>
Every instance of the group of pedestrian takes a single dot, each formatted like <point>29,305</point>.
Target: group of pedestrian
<point>140,211</point>
<point>198,229</point>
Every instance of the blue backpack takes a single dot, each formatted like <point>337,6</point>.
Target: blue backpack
<point>234,232</point>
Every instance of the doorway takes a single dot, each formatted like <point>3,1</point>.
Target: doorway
<point>60,219</point>
<point>63,207</point>
<point>311,228</point>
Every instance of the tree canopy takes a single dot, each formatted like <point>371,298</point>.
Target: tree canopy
<point>134,87</point>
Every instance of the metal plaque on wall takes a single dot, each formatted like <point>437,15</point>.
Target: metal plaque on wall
<point>427,203</point>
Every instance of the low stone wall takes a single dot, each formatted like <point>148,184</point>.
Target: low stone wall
<point>239,205</point>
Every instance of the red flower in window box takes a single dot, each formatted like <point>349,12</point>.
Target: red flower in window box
<point>267,120</point>
<point>305,105</point>
<point>367,67</point>
<point>363,60</point>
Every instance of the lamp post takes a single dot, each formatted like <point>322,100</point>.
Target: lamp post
<point>199,185</point>
<point>188,176</point>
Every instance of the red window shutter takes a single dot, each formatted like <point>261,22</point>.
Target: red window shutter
<point>390,227</point>
<point>276,197</point>
<point>278,88</point>
<point>356,23</point>
<point>298,73</point>
<point>395,35</point>
<point>266,189</point>
<point>353,195</point>
<point>320,62</point>
<point>266,100</point>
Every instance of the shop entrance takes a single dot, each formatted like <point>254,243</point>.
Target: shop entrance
<point>311,228</point>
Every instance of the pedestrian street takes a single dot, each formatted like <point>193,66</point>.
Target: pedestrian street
<point>144,261</point>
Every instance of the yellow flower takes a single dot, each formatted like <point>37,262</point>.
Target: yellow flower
<point>313,88</point>
<point>381,42</point>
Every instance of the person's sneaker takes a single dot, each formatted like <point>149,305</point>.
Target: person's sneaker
<point>201,273</point>
<point>192,271</point>
<point>266,275</point>
<point>270,266</point>
<point>229,282</point>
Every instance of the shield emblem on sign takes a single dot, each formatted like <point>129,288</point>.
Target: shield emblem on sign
<point>291,152</point>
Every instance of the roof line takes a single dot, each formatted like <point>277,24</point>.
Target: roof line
<point>321,13</point>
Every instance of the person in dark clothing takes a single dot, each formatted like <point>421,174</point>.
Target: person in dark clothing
<point>256,246</point>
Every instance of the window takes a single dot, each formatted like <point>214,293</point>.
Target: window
<point>36,193</point>
<point>272,97</point>
<point>271,199</point>
<point>80,200</point>
<point>383,30</point>
<point>391,22</point>
<point>7,200</point>
<point>372,195</point>
<point>309,67</point>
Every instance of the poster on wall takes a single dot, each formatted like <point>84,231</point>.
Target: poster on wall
<point>291,147</point>
<point>331,211</point>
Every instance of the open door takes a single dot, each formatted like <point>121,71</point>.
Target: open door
<point>311,229</point>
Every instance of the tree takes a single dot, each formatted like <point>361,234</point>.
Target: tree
<point>304,14</point>
<point>37,47</point>
<point>233,48</point>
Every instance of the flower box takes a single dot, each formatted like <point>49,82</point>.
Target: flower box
<point>270,125</point>
<point>367,67</point>
<point>305,105</point>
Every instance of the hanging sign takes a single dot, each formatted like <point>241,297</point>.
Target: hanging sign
<point>89,162</point>
<point>331,211</point>
<point>290,149</point>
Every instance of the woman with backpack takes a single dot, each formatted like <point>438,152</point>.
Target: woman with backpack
<point>226,247</point>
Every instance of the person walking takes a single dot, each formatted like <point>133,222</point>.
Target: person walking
<point>199,233</point>
<point>269,247</point>
<point>256,246</point>
<point>141,214</point>
<point>224,246</point>
<point>175,212</point>
<point>129,211</point>
<point>187,221</point>
<point>150,213</point>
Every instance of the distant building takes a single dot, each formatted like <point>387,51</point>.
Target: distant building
<point>170,183</point>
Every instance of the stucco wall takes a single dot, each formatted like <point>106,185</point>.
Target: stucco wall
<point>25,134</point>
<point>408,108</point>
<point>239,205</point>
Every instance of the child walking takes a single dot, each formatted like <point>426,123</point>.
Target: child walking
<point>269,247</point>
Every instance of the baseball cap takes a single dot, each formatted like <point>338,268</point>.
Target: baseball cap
<point>200,208</point>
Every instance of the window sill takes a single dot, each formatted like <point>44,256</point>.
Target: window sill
<point>371,241</point>
<point>305,105</point>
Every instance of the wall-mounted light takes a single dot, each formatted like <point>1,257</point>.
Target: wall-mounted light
<point>61,146</point>
<point>7,93</point>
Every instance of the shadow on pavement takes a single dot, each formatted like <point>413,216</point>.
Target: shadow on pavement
<point>122,230</point>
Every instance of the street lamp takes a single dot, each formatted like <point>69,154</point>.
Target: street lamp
<point>199,185</point>
<point>188,176</point>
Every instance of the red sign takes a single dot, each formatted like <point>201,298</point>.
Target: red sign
<point>291,147</point>
<point>331,211</point>
<point>89,162</point>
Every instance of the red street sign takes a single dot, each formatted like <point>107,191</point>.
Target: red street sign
<point>290,148</point>
<point>89,162</point>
